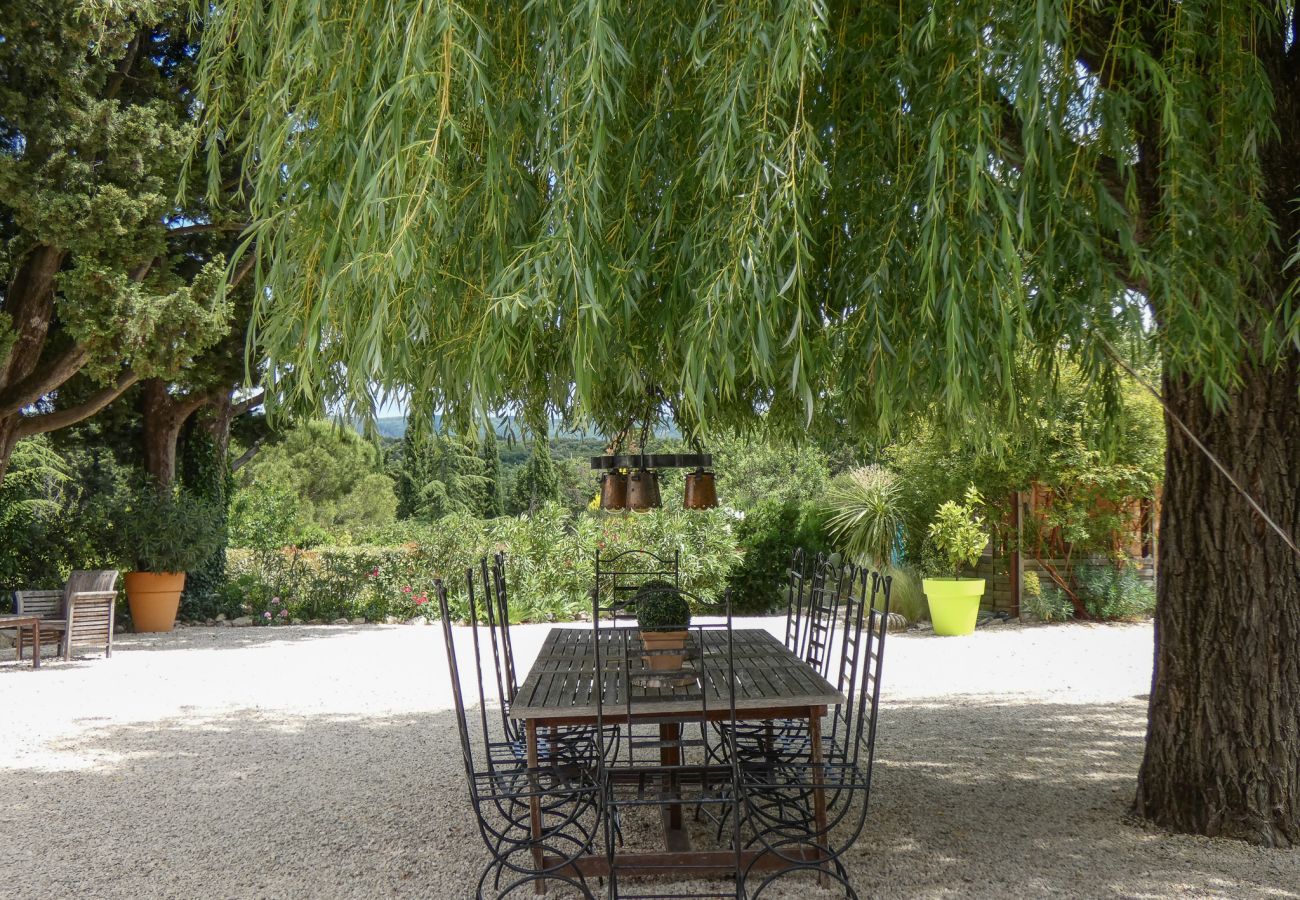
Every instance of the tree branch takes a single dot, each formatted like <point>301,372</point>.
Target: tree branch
<point>242,272</point>
<point>42,380</point>
<point>201,227</point>
<point>114,84</point>
<point>62,418</point>
<point>244,458</point>
<point>249,404</point>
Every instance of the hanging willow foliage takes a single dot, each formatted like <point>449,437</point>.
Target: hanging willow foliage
<point>749,206</point>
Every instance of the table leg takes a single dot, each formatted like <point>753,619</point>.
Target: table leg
<point>819,792</point>
<point>670,754</point>
<point>36,638</point>
<point>535,805</point>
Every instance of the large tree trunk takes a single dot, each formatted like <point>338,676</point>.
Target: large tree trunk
<point>164,415</point>
<point>1223,743</point>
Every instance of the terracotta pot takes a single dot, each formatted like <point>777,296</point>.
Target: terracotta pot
<point>655,642</point>
<point>613,491</point>
<point>153,598</point>
<point>701,490</point>
<point>643,490</point>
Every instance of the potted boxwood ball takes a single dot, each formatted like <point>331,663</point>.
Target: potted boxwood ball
<point>662,615</point>
<point>161,533</point>
<point>957,532</point>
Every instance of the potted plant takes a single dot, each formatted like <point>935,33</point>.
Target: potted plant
<point>160,534</point>
<point>957,533</point>
<point>662,615</point>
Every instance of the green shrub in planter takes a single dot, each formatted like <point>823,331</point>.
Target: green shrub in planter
<point>164,529</point>
<point>661,607</point>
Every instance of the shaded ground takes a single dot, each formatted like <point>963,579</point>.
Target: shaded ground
<point>323,762</point>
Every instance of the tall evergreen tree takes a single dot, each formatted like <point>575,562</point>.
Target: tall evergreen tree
<point>494,501</point>
<point>538,482</point>
<point>882,202</point>
<point>103,276</point>
<point>438,475</point>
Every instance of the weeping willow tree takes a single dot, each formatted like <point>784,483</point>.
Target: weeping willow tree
<point>728,209</point>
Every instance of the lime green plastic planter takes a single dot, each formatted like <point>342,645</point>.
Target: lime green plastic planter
<point>954,603</point>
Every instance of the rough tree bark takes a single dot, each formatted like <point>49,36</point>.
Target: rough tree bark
<point>1223,742</point>
<point>164,416</point>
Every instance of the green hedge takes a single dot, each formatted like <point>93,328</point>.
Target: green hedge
<point>550,565</point>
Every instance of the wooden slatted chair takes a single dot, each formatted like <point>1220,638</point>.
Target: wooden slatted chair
<point>81,614</point>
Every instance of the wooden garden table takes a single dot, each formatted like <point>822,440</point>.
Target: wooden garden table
<point>771,683</point>
<point>32,622</point>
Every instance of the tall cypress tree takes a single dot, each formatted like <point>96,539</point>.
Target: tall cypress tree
<point>538,482</point>
<point>494,501</point>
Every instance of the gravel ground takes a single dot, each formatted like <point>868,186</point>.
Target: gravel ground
<point>322,762</point>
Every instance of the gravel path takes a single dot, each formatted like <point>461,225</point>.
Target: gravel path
<point>322,762</point>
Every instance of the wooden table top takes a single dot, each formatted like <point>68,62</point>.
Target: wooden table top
<point>7,620</point>
<point>768,678</point>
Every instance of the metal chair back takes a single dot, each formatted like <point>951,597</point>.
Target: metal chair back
<point>619,575</point>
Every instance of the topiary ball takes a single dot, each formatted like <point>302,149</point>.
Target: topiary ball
<point>660,606</point>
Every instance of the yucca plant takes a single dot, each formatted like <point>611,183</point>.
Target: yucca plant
<point>866,514</point>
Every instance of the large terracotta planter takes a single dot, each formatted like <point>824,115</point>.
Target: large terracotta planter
<point>954,603</point>
<point>154,598</point>
<point>659,646</point>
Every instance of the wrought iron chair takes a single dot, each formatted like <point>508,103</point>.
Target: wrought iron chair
<point>812,624</point>
<point>662,769</point>
<point>619,575</point>
<point>573,742</point>
<point>534,821</point>
<point>802,815</point>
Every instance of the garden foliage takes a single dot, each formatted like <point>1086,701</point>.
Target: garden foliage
<point>549,563</point>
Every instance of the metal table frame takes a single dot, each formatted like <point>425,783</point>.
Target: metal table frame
<point>773,683</point>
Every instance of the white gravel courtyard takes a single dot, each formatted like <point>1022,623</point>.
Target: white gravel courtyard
<point>322,762</point>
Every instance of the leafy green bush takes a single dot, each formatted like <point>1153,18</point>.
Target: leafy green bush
<point>958,534</point>
<point>1114,592</point>
<point>768,535</point>
<point>1049,604</point>
<point>164,529</point>
<point>550,563</point>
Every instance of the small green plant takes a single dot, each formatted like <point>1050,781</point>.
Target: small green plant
<point>865,514</point>
<point>661,607</point>
<point>957,532</point>
<point>1111,592</point>
<point>1048,604</point>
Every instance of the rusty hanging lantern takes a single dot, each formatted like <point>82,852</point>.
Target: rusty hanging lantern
<point>613,490</point>
<point>643,489</point>
<point>701,490</point>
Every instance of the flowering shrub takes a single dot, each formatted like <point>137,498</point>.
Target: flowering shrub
<point>550,564</point>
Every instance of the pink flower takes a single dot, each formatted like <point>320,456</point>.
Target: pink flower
<point>275,601</point>
<point>374,573</point>
<point>406,590</point>
<point>284,613</point>
<point>266,615</point>
<point>421,600</point>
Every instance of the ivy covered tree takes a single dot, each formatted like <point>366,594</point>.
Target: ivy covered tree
<point>102,274</point>
<point>742,209</point>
